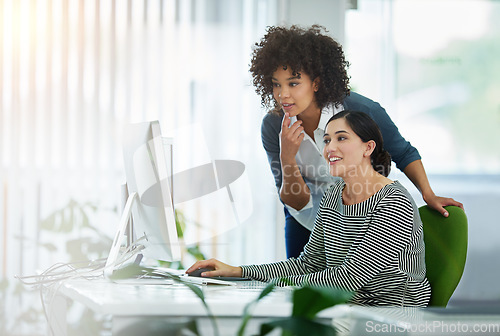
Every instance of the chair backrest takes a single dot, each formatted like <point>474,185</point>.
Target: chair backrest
<point>445,251</point>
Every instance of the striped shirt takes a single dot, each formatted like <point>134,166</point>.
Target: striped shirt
<point>374,248</point>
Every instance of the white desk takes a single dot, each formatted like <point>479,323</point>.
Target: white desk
<point>132,304</point>
<point>129,304</point>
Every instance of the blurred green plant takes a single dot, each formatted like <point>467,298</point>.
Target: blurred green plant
<point>29,316</point>
<point>74,219</point>
<point>307,302</point>
<point>90,242</point>
<point>182,223</point>
<point>83,241</point>
<point>132,271</point>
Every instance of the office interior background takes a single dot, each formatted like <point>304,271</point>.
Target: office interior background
<point>74,72</point>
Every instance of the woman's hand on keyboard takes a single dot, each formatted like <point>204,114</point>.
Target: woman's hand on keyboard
<point>215,268</point>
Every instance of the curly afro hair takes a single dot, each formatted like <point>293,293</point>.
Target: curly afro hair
<point>305,50</point>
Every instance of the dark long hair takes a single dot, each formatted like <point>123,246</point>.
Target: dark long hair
<point>367,129</point>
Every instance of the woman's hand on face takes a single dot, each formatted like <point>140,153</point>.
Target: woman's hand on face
<point>219,268</point>
<point>291,137</point>
<point>438,203</point>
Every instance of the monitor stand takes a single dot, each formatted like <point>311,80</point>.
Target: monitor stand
<point>114,252</point>
<point>120,235</point>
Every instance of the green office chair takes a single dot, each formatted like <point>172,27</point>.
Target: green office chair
<point>445,251</point>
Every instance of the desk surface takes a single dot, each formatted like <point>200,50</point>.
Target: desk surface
<point>106,297</point>
<point>125,301</point>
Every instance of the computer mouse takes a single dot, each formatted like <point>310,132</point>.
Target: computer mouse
<point>197,272</point>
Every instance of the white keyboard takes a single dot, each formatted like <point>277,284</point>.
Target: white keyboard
<point>205,281</point>
<point>144,281</point>
<point>195,280</point>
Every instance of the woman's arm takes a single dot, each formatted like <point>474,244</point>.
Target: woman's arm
<point>313,259</point>
<point>416,173</point>
<point>266,272</point>
<point>294,191</point>
<point>292,188</point>
<point>389,232</point>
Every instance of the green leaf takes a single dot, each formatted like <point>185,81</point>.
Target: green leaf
<point>130,271</point>
<point>308,301</point>
<point>101,248</point>
<point>247,314</point>
<point>180,222</point>
<point>192,326</point>
<point>18,289</point>
<point>196,253</point>
<point>30,316</point>
<point>92,206</point>
<point>49,223</point>
<point>67,220</point>
<point>87,324</point>
<point>171,264</point>
<point>75,248</point>
<point>197,290</point>
<point>85,222</point>
<point>4,284</point>
<point>267,290</point>
<point>49,246</point>
<point>298,326</point>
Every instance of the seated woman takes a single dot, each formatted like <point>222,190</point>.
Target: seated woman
<point>367,237</point>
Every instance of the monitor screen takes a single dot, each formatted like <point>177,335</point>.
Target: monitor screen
<point>149,196</point>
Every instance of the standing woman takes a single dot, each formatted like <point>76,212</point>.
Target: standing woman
<point>301,77</point>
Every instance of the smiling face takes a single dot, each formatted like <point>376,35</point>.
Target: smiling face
<point>294,92</point>
<point>345,152</point>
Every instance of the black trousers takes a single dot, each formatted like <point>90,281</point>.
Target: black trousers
<point>296,236</point>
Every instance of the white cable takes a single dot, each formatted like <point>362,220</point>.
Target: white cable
<point>54,276</point>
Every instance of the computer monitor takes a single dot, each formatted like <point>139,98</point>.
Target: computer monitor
<point>149,201</point>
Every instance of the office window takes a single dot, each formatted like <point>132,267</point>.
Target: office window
<point>72,73</point>
<point>435,66</point>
